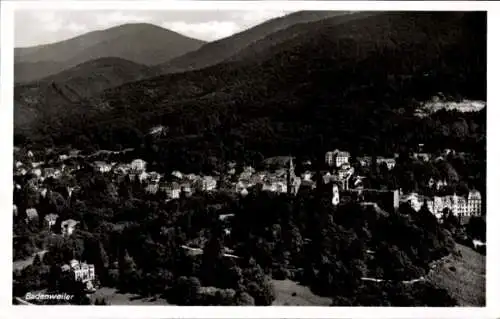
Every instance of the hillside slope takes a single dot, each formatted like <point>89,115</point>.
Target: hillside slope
<point>305,94</point>
<point>74,85</point>
<point>140,43</point>
<point>218,51</point>
<point>25,72</point>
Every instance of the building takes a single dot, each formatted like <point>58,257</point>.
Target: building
<point>335,195</point>
<point>390,162</point>
<point>474,203</point>
<point>138,166</point>
<point>336,158</point>
<point>177,174</point>
<point>51,219</point>
<point>208,183</point>
<point>68,227</point>
<point>143,176</point>
<point>15,211</point>
<point>186,189</point>
<point>102,167</point>
<point>172,190</point>
<point>151,189</point>
<point>80,272</point>
<point>31,213</point>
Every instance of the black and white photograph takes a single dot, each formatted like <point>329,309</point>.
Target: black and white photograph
<point>249,157</point>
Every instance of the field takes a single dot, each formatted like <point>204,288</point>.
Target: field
<point>289,293</point>
<point>113,297</point>
<point>466,282</point>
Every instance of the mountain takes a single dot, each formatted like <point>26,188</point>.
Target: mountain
<point>31,71</point>
<point>75,85</point>
<point>218,51</point>
<point>140,43</point>
<point>352,85</point>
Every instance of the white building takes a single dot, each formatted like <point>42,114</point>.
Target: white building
<point>51,219</point>
<point>81,272</point>
<point>336,158</point>
<point>68,227</point>
<point>31,213</point>
<point>474,203</point>
<point>138,165</point>
<point>335,195</point>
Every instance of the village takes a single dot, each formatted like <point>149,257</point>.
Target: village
<point>277,175</point>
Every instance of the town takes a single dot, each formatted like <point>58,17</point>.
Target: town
<point>44,175</point>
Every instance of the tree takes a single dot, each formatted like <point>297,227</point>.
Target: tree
<point>186,291</point>
<point>243,299</point>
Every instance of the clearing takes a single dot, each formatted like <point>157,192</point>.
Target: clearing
<point>289,293</point>
<point>113,297</point>
<point>466,282</point>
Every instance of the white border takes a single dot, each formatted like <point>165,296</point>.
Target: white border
<point>6,80</point>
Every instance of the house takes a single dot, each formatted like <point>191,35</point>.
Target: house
<point>422,156</point>
<point>390,162</point>
<point>49,172</point>
<point>415,200</point>
<point>51,219</point>
<point>143,176</point>
<point>244,192</point>
<point>19,164</point>
<point>336,158</point>
<point>29,154</point>
<point>364,161</point>
<point>154,177</point>
<point>223,217</point>
<point>43,192</point>
<point>68,226</point>
<point>441,184</point>
<point>15,210</point>
<point>151,188</point>
<point>37,172</point>
<point>172,191</point>
<point>74,153</point>
<point>102,167</point>
<point>275,185</point>
<point>138,165</point>
<point>208,183</point>
<point>186,189</point>
<point>307,176</point>
<point>474,203</point>
<point>157,130</point>
<point>177,174</point>
<point>121,169</point>
<point>63,157</point>
<point>31,213</point>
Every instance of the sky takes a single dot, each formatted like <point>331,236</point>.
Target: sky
<point>34,27</point>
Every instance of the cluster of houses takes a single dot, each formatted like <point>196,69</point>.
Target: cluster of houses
<point>278,176</point>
